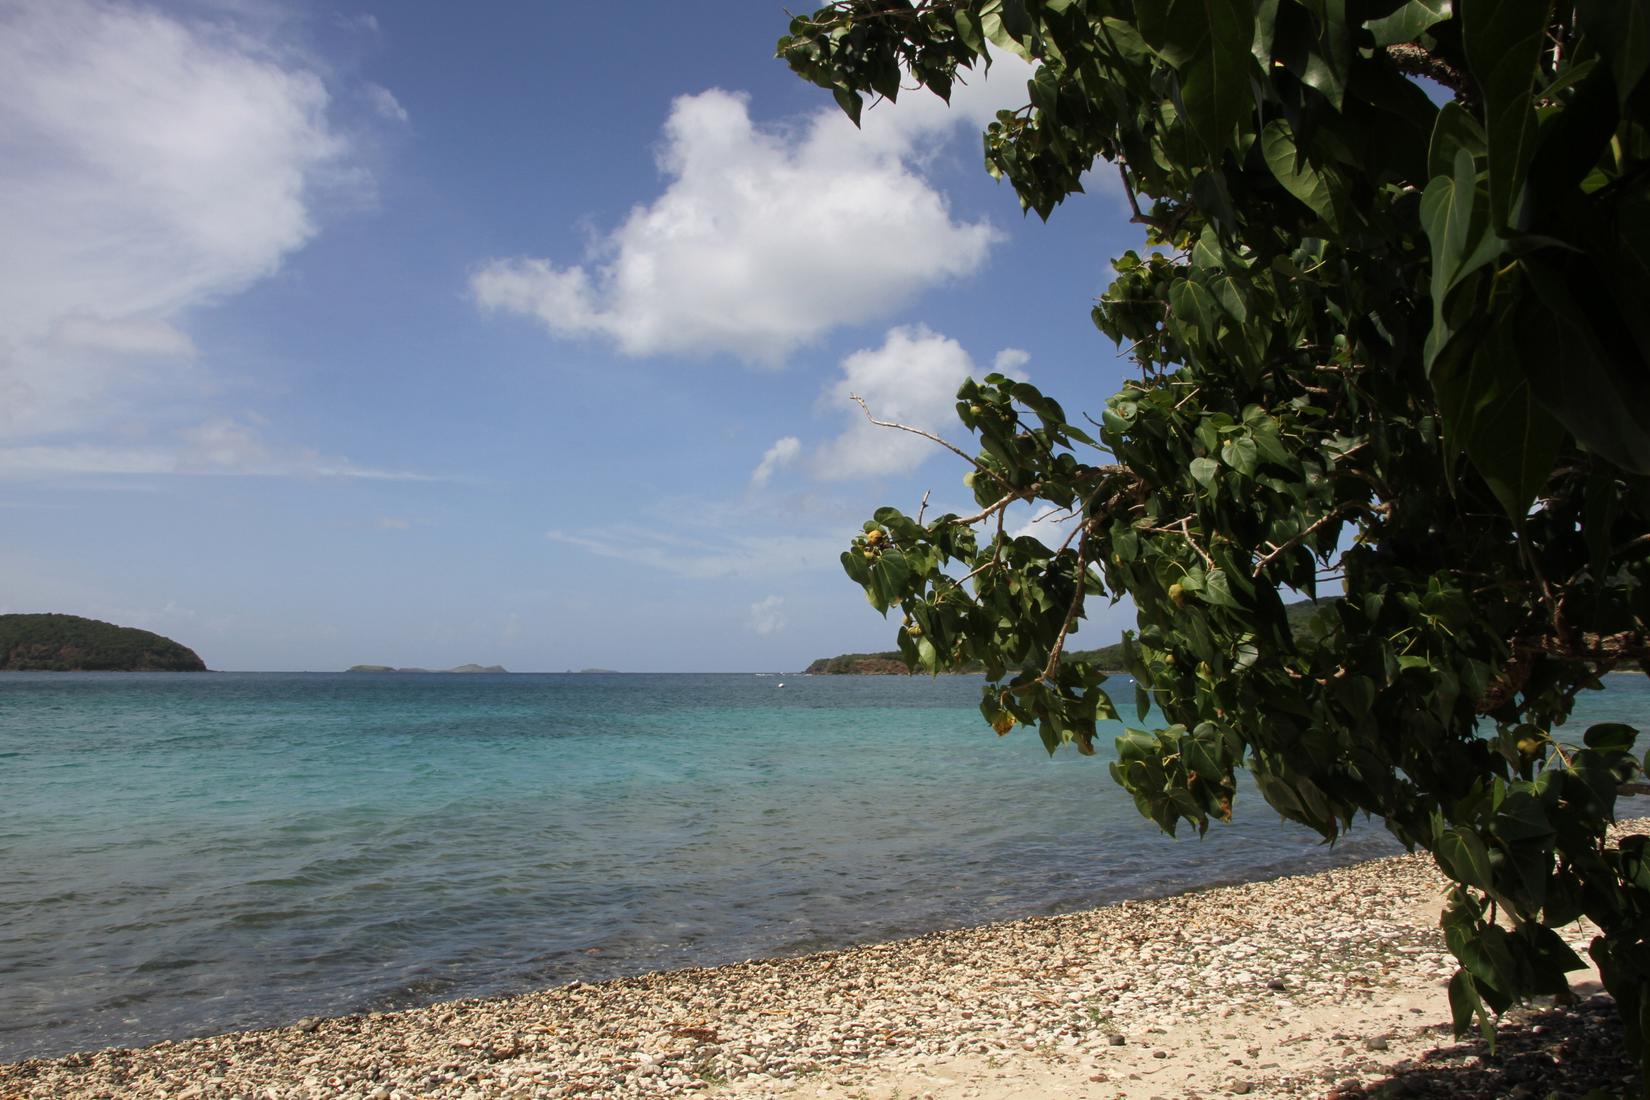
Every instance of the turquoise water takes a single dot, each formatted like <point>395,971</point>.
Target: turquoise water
<point>185,854</point>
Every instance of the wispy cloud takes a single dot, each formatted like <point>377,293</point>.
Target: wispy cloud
<point>766,237</point>
<point>695,558</point>
<point>783,453</point>
<point>150,165</point>
<point>767,618</point>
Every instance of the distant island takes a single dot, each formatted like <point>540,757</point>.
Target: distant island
<point>1108,659</point>
<point>69,643</point>
<point>460,668</point>
<point>890,663</point>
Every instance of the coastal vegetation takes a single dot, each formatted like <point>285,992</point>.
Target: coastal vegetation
<point>1390,341</point>
<point>69,643</point>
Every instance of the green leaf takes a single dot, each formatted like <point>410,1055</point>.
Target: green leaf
<point>1452,131</point>
<point>1194,306</point>
<point>1409,22</point>
<point>1620,31</point>
<point>850,101</point>
<point>968,29</point>
<point>1206,471</point>
<point>1465,857</point>
<point>1300,179</point>
<point>1503,39</point>
<point>1327,66</point>
<point>1217,591</point>
<point>1241,455</point>
<point>1465,1004</point>
<point>1611,737</point>
<point>927,655</point>
<point>1208,42</point>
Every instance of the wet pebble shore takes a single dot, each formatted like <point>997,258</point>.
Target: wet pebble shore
<point>1098,994</point>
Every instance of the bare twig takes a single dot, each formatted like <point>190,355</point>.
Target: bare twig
<point>952,447</point>
<point>923,507</point>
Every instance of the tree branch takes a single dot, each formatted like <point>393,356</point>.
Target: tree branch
<point>1290,544</point>
<point>1414,60</point>
<point>952,447</point>
<point>1074,609</point>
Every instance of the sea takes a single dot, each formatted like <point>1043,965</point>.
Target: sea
<point>185,854</point>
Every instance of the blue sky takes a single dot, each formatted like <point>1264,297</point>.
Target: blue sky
<point>413,335</point>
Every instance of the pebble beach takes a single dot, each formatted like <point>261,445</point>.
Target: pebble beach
<point>1329,984</point>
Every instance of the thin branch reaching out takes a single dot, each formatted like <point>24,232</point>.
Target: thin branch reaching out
<point>952,447</point>
<point>1074,610</point>
<point>1290,544</point>
<point>1183,529</point>
<point>923,507</point>
<point>996,508</point>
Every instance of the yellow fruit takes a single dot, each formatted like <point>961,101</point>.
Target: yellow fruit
<point>873,537</point>
<point>1178,595</point>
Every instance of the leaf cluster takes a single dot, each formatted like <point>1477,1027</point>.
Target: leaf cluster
<point>1390,339</point>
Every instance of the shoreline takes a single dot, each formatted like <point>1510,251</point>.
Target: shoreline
<point>1233,990</point>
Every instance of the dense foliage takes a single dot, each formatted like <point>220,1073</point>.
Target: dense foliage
<point>1391,340</point>
<point>69,643</point>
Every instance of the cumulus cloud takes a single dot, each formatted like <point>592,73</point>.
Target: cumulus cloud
<point>911,379</point>
<point>149,165</point>
<point>783,453</point>
<point>766,617</point>
<point>765,237</point>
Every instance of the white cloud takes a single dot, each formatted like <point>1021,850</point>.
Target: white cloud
<point>1009,361</point>
<point>766,617</point>
<point>911,379</point>
<point>783,453</point>
<point>384,102</point>
<point>767,236</point>
<point>149,165</point>
<point>1051,526</point>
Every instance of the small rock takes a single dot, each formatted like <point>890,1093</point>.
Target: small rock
<point>1160,1054</point>
<point>1277,983</point>
<point>1375,1042</point>
<point>1239,1088</point>
<point>1115,1040</point>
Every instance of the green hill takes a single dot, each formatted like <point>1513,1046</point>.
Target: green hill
<point>69,643</point>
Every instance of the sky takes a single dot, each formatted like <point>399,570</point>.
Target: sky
<point>421,334</point>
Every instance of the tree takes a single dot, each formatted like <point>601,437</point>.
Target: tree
<point>1391,331</point>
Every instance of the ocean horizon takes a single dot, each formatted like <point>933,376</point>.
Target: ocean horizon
<point>184,854</point>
